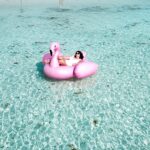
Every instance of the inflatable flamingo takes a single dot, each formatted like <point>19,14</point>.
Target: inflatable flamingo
<point>54,46</point>
<point>54,70</point>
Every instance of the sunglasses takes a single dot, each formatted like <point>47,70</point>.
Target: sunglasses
<point>77,53</point>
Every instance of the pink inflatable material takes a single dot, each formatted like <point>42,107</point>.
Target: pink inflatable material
<point>54,70</point>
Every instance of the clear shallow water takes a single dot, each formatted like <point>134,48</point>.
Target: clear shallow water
<point>109,110</point>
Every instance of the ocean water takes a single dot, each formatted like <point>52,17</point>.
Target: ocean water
<point>107,111</point>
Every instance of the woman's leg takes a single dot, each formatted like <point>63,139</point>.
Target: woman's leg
<point>61,57</point>
<point>62,61</point>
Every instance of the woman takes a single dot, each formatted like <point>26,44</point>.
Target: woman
<point>71,61</point>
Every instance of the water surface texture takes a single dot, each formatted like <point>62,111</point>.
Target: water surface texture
<point>110,110</point>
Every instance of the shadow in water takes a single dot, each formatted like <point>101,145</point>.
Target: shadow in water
<point>40,66</point>
<point>41,74</point>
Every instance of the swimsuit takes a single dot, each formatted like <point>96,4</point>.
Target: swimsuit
<point>72,61</point>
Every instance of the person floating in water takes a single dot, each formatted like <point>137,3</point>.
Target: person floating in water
<point>67,60</point>
<point>71,61</point>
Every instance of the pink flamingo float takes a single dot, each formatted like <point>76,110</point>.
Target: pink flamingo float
<point>53,70</point>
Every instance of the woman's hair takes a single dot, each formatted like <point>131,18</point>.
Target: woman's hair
<point>81,54</point>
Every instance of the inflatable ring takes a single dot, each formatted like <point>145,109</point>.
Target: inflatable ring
<point>53,70</point>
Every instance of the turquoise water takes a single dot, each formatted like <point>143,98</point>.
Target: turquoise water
<point>110,110</point>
